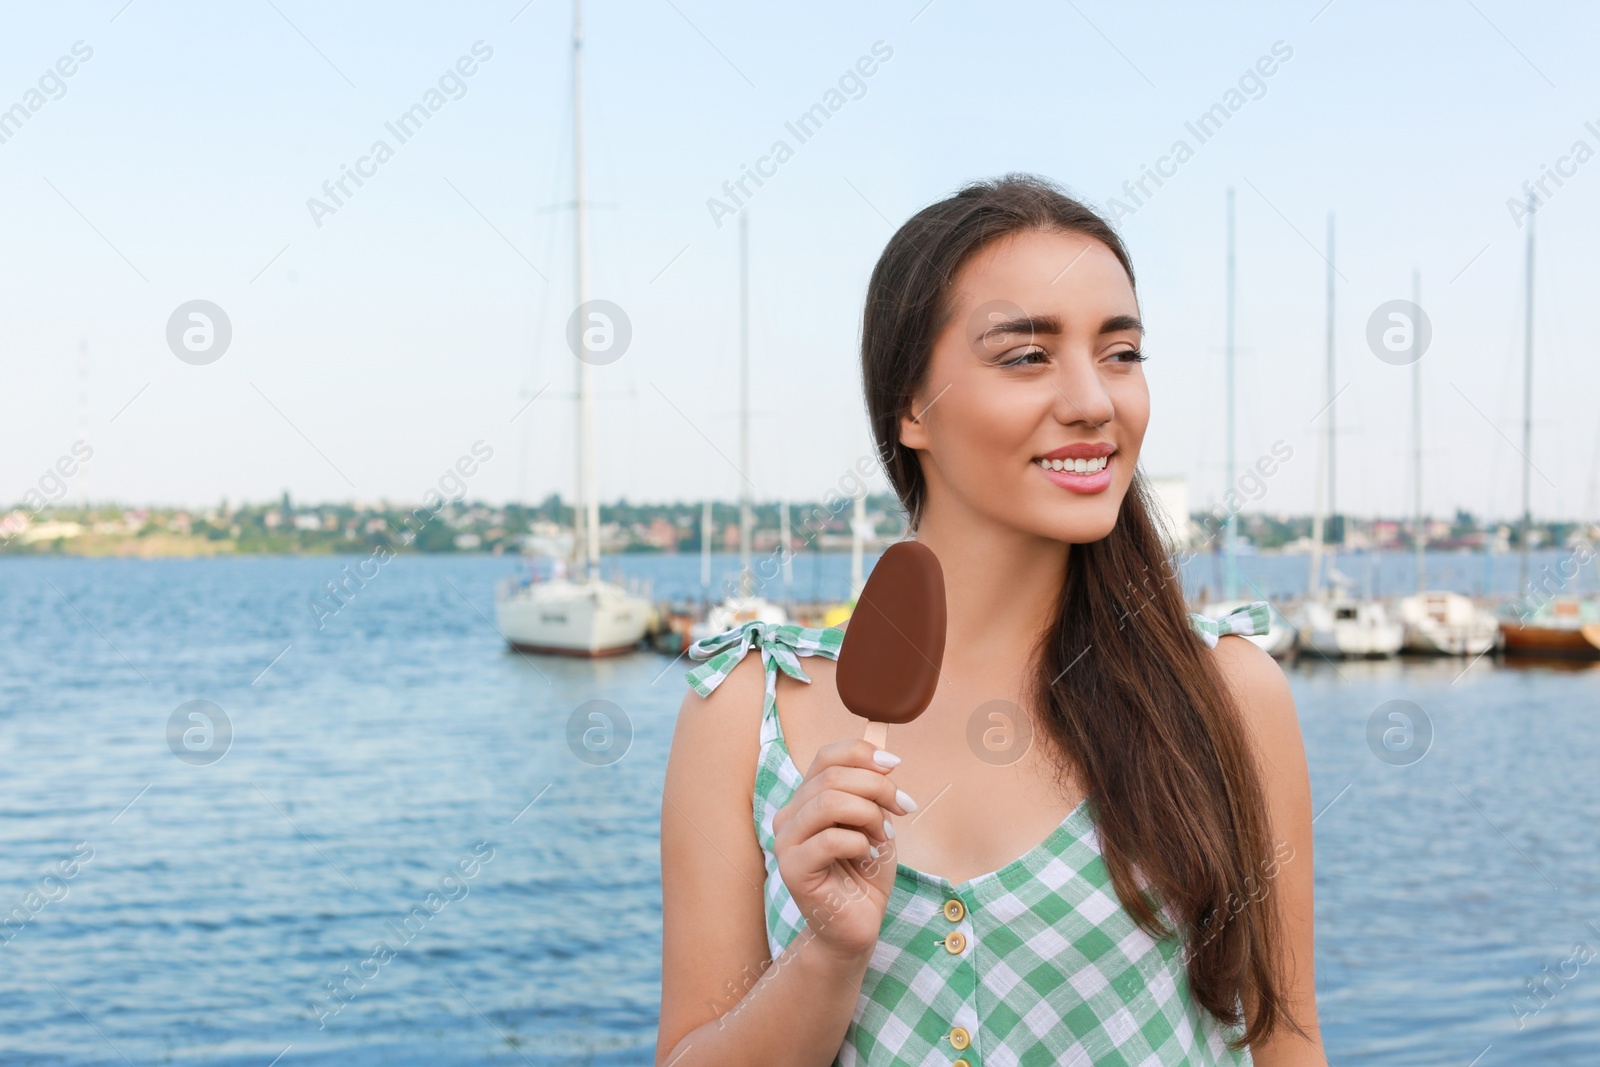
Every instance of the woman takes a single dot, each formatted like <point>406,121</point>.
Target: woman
<point>1094,846</point>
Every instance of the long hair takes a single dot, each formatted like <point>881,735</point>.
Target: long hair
<point>1126,686</point>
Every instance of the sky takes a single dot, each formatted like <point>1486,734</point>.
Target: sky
<point>379,337</point>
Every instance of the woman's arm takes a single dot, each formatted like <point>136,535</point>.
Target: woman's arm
<point>1262,693</point>
<point>723,1001</point>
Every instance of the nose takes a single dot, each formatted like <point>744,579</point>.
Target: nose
<point>1081,396</point>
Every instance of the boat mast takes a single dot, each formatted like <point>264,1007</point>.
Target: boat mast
<point>1419,535</point>
<point>1336,531</point>
<point>744,405</point>
<point>588,511</point>
<point>705,553</point>
<point>1527,405</point>
<point>1230,584</point>
<point>858,544</point>
<point>783,539</point>
<point>858,519</point>
<point>1325,442</point>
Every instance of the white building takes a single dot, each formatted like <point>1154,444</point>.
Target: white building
<point>1172,511</point>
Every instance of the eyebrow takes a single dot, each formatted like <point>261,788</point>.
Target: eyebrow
<point>1050,324</point>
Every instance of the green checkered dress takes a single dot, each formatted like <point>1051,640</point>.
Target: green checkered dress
<point>1052,969</point>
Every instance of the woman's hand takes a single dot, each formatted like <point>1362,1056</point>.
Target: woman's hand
<point>825,839</point>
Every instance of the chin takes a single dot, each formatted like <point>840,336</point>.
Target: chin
<point>1078,525</point>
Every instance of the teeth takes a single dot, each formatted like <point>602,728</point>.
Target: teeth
<point>1077,466</point>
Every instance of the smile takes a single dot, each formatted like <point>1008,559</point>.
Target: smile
<point>1091,474</point>
<point>1076,466</point>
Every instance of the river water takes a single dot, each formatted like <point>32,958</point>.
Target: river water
<point>398,776</point>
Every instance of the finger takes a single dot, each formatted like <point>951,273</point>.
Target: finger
<point>854,781</point>
<point>853,752</point>
<point>833,844</point>
<point>835,808</point>
<point>870,783</point>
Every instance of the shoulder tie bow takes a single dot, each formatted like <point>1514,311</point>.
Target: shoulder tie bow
<point>781,648</point>
<point>1253,618</point>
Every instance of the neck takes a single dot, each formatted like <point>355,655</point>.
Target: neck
<point>1001,584</point>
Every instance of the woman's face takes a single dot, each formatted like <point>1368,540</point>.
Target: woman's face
<point>1039,358</point>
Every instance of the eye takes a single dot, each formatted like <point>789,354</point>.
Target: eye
<point>1132,355</point>
<point>1030,353</point>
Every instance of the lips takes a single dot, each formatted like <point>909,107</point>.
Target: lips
<point>1094,476</point>
<point>1080,450</point>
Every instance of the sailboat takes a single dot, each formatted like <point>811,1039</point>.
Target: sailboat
<point>744,605</point>
<point>580,615</point>
<point>1333,621</point>
<point>1436,621</point>
<point>1280,635</point>
<point>1562,625</point>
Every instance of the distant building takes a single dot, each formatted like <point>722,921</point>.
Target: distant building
<point>1172,510</point>
<point>662,534</point>
<point>49,531</point>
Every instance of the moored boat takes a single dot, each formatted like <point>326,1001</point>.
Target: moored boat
<point>1337,624</point>
<point>1439,622</point>
<point>1566,626</point>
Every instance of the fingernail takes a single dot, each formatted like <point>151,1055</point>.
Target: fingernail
<point>872,850</point>
<point>884,758</point>
<point>888,828</point>
<point>902,798</point>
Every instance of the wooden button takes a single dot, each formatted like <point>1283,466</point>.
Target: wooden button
<point>960,1038</point>
<point>954,910</point>
<point>954,942</point>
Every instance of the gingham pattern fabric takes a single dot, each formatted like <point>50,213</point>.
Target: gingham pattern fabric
<point>1052,971</point>
<point>1253,618</point>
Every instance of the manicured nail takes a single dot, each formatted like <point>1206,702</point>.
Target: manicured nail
<point>888,828</point>
<point>872,850</point>
<point>902,798</point>
<point>884,758</point>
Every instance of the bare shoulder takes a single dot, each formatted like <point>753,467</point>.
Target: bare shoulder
<point>1266,706</point>
<point>1261,691</point>
<point>713,919</point>
<point>717,738</point>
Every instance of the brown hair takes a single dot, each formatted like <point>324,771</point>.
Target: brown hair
<point>1147,719</point>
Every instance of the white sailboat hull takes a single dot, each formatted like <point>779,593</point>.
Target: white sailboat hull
<point>1341,626</point>
<point>1445,623</point>
<point>736,611</point>
<point>560,617</point>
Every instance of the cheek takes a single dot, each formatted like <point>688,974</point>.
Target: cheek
<point>999,424</point>
<point>980,446</point>
<point>1131,400</point>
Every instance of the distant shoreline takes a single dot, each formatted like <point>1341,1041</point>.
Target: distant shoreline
<point>171,546</point>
